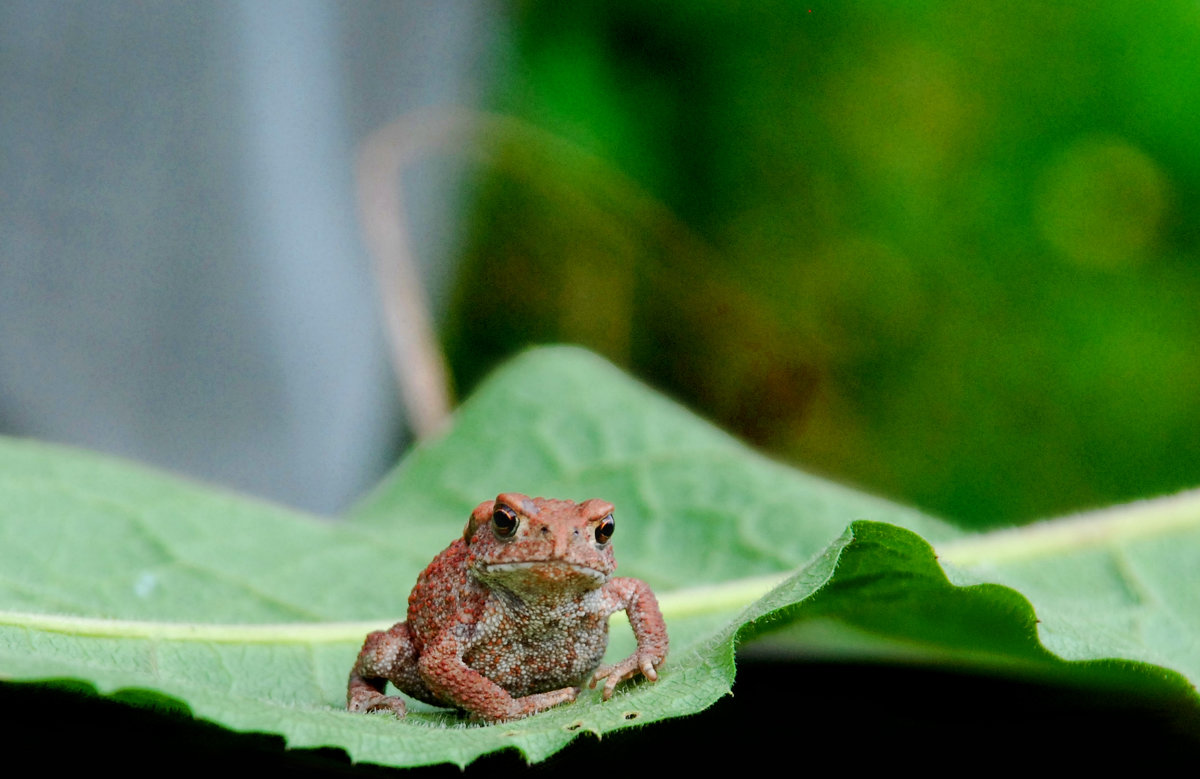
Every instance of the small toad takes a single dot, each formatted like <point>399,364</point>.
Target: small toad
<point>512,618</point>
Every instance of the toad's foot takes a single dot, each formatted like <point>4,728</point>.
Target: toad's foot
<point>531,704</point>
<point>640,663</point>
<point>363,698</point>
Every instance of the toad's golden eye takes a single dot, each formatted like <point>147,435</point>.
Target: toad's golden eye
<point>504,521</point>
<point>605,529</point>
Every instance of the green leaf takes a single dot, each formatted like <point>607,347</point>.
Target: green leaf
<point>251,615</point>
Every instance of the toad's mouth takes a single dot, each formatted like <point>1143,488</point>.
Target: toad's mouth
<point>547,570</point>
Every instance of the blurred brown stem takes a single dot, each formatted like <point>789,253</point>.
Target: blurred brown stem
<point>417,359</point>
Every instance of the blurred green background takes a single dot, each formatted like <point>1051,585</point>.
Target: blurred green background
<point>944,251</point>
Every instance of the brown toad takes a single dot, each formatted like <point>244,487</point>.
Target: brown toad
<point>513,617</point>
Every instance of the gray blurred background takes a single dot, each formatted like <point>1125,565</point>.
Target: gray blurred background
<point>183,279</point>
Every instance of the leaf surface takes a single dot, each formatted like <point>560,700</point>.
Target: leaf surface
<point>252,615</point>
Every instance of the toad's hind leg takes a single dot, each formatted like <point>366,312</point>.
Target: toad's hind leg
<point>387,655</point>
<point>455,682</point>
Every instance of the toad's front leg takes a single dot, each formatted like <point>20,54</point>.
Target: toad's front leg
<point>649,628</point>
<point>444,672</point>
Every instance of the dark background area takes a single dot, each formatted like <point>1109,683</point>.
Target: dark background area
<point>834,716</point>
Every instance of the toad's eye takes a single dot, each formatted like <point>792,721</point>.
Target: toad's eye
<point>605,529</point>
<point>504,521</point>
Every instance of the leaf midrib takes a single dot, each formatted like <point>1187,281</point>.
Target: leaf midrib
<point>692,601</point>
<point>1106,527</point>
<point>1109,527</point>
